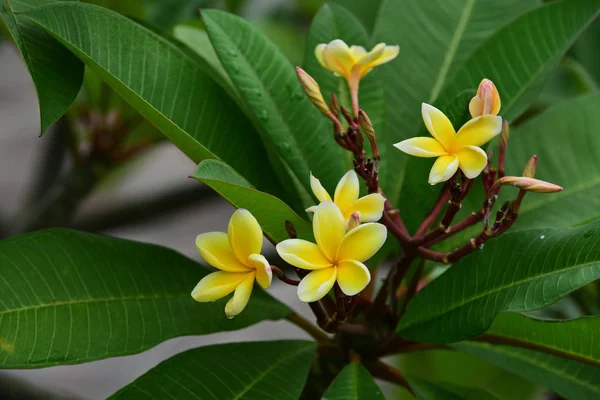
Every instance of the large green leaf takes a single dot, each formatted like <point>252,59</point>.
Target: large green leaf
<point>575,339</point>
<point>334,22</point>
<point>368,12</point>
<point>56,72</point>
<point>162,83</point>
<point>289,123</point>
<point>519,271</point>
<point>270,212</point>
<point>425,390</point>
<point>70,297</point>
<point>435,38</point>
<point>354,382</point>
<point>568,378</point>
<point>249,371</point>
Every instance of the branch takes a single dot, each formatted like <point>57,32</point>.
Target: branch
<point>383,371</point>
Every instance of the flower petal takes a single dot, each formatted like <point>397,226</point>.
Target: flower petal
<point>241,296</point>
<point>217,285</point>
<point>347,190</point>
<point>353,277</point>
<point>443,169</point>
<point>421,147</point>
<point>319,54</point>
<point>338,58</point>
<point>317,284</point>
<point>245,235</point>
<point>478,131</point>
<point>438,125</point>
<point>389,53</point>
<point>264,273</point>
<point>318,189</point>
<point>215,249</point>
<point>362,242</point>
<point>367,61</point>
<point>329,228</point>
<point>302,254</point>
<point>471,160</point>
<point>370,208</point>
<point>358,52</point>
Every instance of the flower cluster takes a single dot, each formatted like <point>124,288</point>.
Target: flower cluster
<point>347,229</point>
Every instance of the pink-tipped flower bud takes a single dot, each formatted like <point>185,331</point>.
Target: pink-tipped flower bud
<point>312,90</point>
<point>353,222</point>
<point>530,167</point>
<point>367,127</point>
<point>529,184</point>
<point>486,101</point>
<point>334,104</point>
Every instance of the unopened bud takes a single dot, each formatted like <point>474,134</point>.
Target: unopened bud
<point>529,171</point>
<point>334,104</point>
<point>312,90</point>
<point>529,184</point>
<point>367,127</point>
<point>486,101</point>
<point>505,134</point>
<point>353,222</point>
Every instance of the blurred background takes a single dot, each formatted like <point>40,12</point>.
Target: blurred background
<point>145,194</point>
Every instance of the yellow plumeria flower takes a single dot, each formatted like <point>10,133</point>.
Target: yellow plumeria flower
<point>237,255</point>
<point>454,150</point>
<point>486,101</point>
<point>338,255</point>
<point>353,62</point>
<point>369,207</point>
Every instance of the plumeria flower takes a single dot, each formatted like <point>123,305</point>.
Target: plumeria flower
<point>353,62</point>
<point>453,150</point>
<point>346,197</point>
<point>338,255</point>
<point>486,101</point>
<point>236,254</point>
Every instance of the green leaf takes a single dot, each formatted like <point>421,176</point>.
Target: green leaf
<point>519,271</point>
<point>368,12</point>
<point>70,297</point>
<point>290,124</point>
<point>568,378</point>
<point>570,339</point>
<point>162,83</point>
<point>249,371</point>
<point>334,22</point>
<point>426,390</point>
<point>270,212</point>
<point>56,72</point>
<point>573,124</point>
<point>354,383</point>
<point>435,39</point>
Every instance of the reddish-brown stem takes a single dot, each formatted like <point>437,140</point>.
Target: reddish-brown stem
<point>282,277</point>
<point>435,211</point>
<point>465,223</point>
<point>383,371</point>
<point>388,289</point>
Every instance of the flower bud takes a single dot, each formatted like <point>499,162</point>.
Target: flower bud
<point>529,171</point>
<point>529,184</point>
<point>334,104</point>
<point>353,222</point>
<point>505,134</point>
<point>312,90</point>
<point>367,127</point>
<point>486,101</point>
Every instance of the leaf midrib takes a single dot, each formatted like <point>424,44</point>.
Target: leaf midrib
<point>496,290</point>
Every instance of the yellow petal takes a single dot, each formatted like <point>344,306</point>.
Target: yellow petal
<point>245,235</point>
<point>347,190</point>
<point>338,58</point>
<point>329,228</point>
<point>443,169</point>
<point>215,249</point>
<point>362,242</point>
<point>358,52</point>
<point>217,285</point>
<point>319,54</point>
<point>240,298</point>
<point>264,273</point>
<point>438,125</point>
<point>302,254</point>
<point>421,147</point>
<point>369,207</point>
<point>389,53</point>
<point>316,284</point>
<point>471,161</point>
<point>478,131</point>
<point>353,277</point>
<point>318,189</point>
<point>367,61</point>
